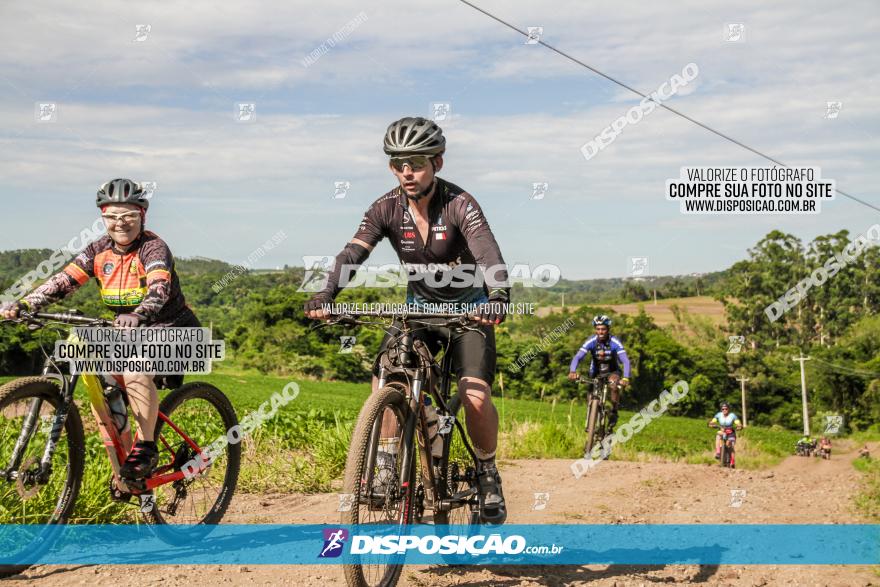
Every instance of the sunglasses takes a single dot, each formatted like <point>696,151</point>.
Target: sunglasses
<point>125,218</point>
<point>416,162</point>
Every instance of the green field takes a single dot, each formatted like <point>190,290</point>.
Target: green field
<point>303,448</point>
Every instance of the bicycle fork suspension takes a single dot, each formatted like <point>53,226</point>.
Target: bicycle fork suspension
<point>24,437</point>
<point>29,426</point>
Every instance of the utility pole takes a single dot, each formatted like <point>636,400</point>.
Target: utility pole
<point>563,299</point>
<point>801,359</point>
<point>655,296</point>
<point>742,381</point>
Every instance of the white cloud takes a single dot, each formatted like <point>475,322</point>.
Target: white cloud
<point>162,110</point>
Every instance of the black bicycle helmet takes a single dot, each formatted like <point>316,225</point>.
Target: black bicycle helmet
<point>122,191</point>
<point>414,136</point>
<point>725,405</point>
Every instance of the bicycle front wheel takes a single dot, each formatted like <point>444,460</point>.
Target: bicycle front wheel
<point>381,491</point>
<point>592,432</point>
<point>29,493</point>
<point>200,413</point>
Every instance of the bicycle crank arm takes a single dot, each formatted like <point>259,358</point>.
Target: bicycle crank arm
<point>460,499</point>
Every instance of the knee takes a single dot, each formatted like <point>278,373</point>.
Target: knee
<point>475,392</point>
<point>138,381</point>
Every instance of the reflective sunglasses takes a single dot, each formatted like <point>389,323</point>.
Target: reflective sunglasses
<point>416,162</point>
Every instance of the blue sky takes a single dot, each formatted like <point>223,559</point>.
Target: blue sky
<point>162,110</point>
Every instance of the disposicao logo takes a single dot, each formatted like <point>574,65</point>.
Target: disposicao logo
<point>334,541</point>
<point>473,545</point>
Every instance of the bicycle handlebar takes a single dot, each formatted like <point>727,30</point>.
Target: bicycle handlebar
<point>450,319</point>
<point>72,317</point>
<point>401,315</point>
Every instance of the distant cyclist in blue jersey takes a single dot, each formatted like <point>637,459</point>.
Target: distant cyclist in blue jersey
<point>607,355</point>
<point>724,419</point>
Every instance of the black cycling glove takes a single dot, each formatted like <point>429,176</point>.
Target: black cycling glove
<point>495,310</point>
<point>317,303</point>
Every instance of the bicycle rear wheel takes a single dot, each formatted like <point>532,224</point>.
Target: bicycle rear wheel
<point>455,467</point>
<point>27,495</point>
<point>202,413</point>
<point>380,496</point>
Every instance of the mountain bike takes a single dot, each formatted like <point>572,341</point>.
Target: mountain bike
<point>597,416</point>
<point>806,449</point>
<point>43,447</point>
<point>433,477</point>
<point>728,441</point>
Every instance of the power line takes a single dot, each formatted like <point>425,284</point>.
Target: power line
<point>670,109</point>
<point>848,369</point>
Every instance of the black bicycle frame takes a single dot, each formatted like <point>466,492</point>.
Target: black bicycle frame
<point>418,375</point>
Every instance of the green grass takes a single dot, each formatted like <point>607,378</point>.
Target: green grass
<point>304,447</point>
<point>542,430</point>
<point>868,500</point>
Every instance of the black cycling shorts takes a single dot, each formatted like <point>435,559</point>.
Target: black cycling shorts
<point>472,354</point>
<point>184,319</point>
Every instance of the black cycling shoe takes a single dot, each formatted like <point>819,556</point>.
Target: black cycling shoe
<point>612,420</point>
<point>140,462</point>
<point>493,510</point>
<point>117,494</point>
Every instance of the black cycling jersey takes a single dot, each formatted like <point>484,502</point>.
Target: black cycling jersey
<point>459,240</point>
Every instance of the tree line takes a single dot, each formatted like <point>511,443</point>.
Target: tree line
<point>259,315</point>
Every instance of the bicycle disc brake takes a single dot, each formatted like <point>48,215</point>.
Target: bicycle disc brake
<point>26,482</point>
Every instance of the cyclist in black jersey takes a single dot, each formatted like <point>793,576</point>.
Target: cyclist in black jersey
<point>444,241</point>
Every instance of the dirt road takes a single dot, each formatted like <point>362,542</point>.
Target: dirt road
<point>799,490</point>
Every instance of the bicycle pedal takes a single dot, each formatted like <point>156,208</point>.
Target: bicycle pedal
<point>117,494</point>
<point>139,485</point>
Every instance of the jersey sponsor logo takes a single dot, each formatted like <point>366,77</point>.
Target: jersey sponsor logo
<point>107,269</point>
<point>431,267</point>
<point>440,236</point>
<point>120,297</point>
<point>406,218</point>
<point>409,234</point>
<point>441,228</point>
<point>133,268</point>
